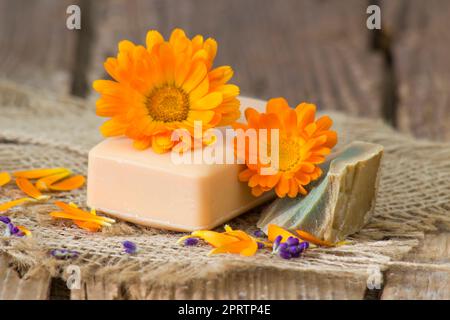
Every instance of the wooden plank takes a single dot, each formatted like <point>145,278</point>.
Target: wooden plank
<point>420,49</point>
<point>96,289</point>
<point>425,273</point>
<point>30,287</point>
<point>259,284</point>
<point>305,50</point>
<point>37,47</point>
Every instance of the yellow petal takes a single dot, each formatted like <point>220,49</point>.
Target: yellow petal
<point>38,173</point>
<point>68,184</point>
<point>29,189</point>
<point>209,101</point>
<point>43,183</point>
<point>5,178</point>
<point>8,205</point>
<point>197,74</point>
<point>89,226</point>
<point>153,38</point>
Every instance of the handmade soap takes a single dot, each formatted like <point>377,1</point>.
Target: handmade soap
<point>150,189</point>
<point>339,204</point>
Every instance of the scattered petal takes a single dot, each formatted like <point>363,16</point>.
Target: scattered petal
<point>5,178</point>
<point>38,173</point>
<point>310,238</point>
<point>29,189</point>
<point>68,184</point>
<point>10,204</point>
<point>44,183</point>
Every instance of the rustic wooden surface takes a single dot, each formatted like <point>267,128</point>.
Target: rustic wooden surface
<point>318,51</point>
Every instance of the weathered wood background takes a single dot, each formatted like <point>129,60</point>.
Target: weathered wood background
<point>319,51</point>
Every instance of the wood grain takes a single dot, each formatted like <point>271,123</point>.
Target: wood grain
<point>36,47</point>
<point>425,273</point>
<point>316,51</point>
<point>420,50</point>
<point>28,287</point>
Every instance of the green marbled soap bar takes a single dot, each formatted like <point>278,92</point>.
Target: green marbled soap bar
<point>340,203</point>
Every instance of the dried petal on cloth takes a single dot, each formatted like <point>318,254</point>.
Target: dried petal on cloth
<point>60,132</point>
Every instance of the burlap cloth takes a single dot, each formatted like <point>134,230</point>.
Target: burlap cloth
<point>41,130</point>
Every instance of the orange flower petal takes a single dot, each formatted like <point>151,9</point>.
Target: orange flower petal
<point>8,205</point>
<point>216,239</point>
<point>71,183</point>
<point>29,189</point>
<point>89,226</point>
<point>275,231</point>
<point>38,173</point>
<point>245,248</point>
<point>70,216</point>
<point>310,238</point>
<point>5,178</point>
<point>43,183</point>
<point>78,213</point>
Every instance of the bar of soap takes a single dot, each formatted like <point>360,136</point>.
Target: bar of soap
<point>340,203</point>
<point>149,189</point>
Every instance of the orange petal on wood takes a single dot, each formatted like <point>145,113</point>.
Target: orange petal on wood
<point>29,189</point>
<point>215,239</point>
<point>44,183</point>
<point>38,173</point>
<point>310,238</point>
<point>275,231</point>
<point>4,178</point>
<point>8,205</point>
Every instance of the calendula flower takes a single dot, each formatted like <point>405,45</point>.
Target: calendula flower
<point>303,144</point>
<point>230,241</point>
<point>164,86</point>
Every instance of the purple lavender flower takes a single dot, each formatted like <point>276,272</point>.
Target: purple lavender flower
<point>5,219</point>
<point>285,254</point>
<point>276,243</point>
<point>260,245</point>
<point>191,242</point>
<point>130,247</point>
<point>303,246</point>
<point>259,234</point>
<point>13,229</point>
<point>63,254</point>
<point>292,241</point>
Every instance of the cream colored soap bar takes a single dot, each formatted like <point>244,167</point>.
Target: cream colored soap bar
<point>148,188</point>
<point>341,203</point>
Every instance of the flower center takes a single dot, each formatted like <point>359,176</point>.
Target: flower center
<point>290,155</point>
<point>168,104</point>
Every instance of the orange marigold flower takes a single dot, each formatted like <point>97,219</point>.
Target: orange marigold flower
<point>303,144</point>
<point>164,86</point>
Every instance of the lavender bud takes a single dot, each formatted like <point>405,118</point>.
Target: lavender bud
<point>260,245</point>
<point>285,254</point>
<point>5,219</point>
<point>130,247</point>
<point>291,241</point>
<point>258,234</point>
<point>190,242</point>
